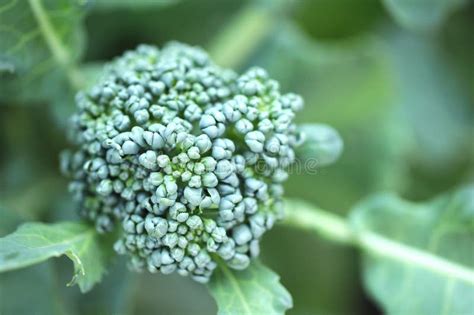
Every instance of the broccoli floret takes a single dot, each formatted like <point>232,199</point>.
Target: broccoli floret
<point>189,157</point>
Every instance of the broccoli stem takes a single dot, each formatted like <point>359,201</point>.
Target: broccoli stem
<point>338,229</point>
<point>308,217</point>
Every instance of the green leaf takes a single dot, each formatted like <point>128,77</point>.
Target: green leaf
<point>41,41</point>
<point>255,290</point>
<point>422,14</point>
<point>432,100</point>
<point>33,243</point>
<point>435,272</point>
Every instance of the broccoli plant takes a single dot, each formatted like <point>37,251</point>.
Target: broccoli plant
<point>177,164</point>
<point>187,157</point>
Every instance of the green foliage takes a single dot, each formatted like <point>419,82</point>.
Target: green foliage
<point>422,14</point>
<point>349,84</point>
<point>442,227</point>
<point>432,100</point>
<point>131,4</point>
<point>255,290</point>
<point>337,19</point>
<point>394,77</point>
<point>418,258</point>
<point>32,243</point>
<point>352,76</point>
<point>155,24</point>
<point>41,41</point>
<point>35,283</point>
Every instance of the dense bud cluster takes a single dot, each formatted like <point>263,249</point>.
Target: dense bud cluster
<point>189,157</point>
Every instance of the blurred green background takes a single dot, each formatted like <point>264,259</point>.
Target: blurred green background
<point>396,80</point>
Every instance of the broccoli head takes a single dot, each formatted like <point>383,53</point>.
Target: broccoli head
<point>188,157</point>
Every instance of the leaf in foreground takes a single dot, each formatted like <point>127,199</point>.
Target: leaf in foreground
<point>442,228</point>
<point>255,290</point>
<point>33,243</point>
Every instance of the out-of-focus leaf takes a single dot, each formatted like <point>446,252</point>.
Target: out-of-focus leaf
<point>422,14</point>
<point>34,200</point>
<point>8,220</point>
<point>433,101</point>
<point>240,37</point>
<point>6,67</point>
<point>344,82</point>
<point>131,4</point>
<point>155,25</point>
<point>457,43</point>
<point>30,291</point>
<point>32,243</point>
<point>41,41</point>
<point>62,108</point>
<point>337,19</point>
<point>255,290</point>
<point>322,144</point>
<point>442,227</point>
